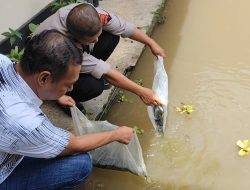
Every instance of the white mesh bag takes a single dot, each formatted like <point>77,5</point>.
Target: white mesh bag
<point>114,155</point>
<point>158,114</point>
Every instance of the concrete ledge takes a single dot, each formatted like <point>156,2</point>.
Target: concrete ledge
<point>142,14</point>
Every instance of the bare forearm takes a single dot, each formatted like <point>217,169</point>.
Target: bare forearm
<point>119,80</point>
<point>140,36</point>
<point>85,143</point>
<point>88,142</point>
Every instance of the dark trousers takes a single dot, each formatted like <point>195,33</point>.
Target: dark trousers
<point>48,174</point>
<point>88,87</point>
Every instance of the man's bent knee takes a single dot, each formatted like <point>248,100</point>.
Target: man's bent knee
<point>82,166</point>
<point>85,166</point>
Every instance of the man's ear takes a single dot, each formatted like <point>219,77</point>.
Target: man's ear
<point>44,78</point>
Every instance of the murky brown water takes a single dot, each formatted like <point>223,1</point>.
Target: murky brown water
<point>208,64</point>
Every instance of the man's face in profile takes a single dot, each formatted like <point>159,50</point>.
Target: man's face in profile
<point>52,90</point>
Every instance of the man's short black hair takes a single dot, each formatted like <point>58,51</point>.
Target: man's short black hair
<point>83,20</point>
<point>50,51</point>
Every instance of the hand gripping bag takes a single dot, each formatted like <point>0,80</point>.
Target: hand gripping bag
<point>114,155</point>
<point>158,114</point>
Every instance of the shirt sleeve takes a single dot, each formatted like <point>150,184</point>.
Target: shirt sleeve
<point>45,141</point>
<point>117,25</point>
<point>96,67</point>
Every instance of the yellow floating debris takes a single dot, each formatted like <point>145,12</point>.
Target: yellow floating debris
<point>244,147</point>
<point>185,108</point>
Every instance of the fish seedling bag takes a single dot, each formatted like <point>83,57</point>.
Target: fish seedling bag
<point>158,114</point>
<point>114,155</point>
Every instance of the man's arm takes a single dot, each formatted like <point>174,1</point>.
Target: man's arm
<point>48,141</point>
<point>85,143</point>
<point>118,26</point>
<point>119,80</point>
<point>140,36</point>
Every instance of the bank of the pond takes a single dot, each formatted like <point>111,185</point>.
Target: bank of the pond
<point>144,14</point>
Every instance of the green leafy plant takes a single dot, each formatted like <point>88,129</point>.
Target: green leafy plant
<point>158,15</point>
<point>160,19</point>
<point>185,108</point>
<point>32,28</point>
<point>139,82</point>
<point>15,54</point>
<point>121,97</point>
<point>61,3</point>
<point>138,130</point>
<point>12,35</point>
<point>75,1</point>
<point>57,5</point>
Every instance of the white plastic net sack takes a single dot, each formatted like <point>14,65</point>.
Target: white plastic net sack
<point>158,114</point>
<point>114,155</point>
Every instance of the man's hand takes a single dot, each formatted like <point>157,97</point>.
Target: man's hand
<point>124,134</point>
<point>149,97</point>
<point>157,50</point>
<point>66,101</point>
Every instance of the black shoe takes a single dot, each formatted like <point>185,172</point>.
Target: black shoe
<point>106,85</point>
<point>78,105</point>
